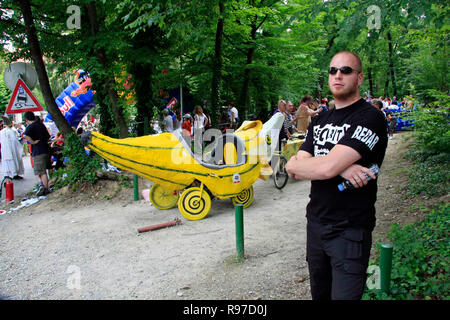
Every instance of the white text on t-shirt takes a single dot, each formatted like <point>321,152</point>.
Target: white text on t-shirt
<point>366,136</point>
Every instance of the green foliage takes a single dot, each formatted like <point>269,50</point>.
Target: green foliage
<point>432,131</point>
<point>421,258</point>
<point>286,57</point>
<point>440,98</point>
<point>431,153</point>
<point>80,168</point>
<point>430,175</point>
<point>5,95</point>
<point>421,250</point>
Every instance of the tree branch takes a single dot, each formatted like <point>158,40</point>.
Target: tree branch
<point>264,19</point>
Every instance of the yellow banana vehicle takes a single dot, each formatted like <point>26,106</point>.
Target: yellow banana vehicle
<point>189,180</point>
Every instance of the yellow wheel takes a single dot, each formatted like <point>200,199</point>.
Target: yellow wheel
<point>162,198</point>
<point>194,206</point>
<point>245,197</point>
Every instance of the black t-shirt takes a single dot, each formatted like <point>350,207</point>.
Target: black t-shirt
<point>363,128</point>
<point>37,131</point>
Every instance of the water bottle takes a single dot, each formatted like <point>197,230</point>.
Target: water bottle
<point>347,185</point>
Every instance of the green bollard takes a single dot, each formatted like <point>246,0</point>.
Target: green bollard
<point>136,187</point>
<point>239,217</point>
<point>385,267</point>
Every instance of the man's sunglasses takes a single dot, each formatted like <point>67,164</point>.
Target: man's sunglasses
<point>344,70</point>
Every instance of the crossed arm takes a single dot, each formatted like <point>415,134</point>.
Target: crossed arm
<point>30,140</point>
<point>339,161</point>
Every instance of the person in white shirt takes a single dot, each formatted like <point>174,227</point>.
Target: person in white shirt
<point>233,115</point>
<point>200,121</point>
<point>167,123</point>
<point>12,149</point>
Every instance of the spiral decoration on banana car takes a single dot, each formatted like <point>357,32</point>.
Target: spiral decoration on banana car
<point>181,177</point>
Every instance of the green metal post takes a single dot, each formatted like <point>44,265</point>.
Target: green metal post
<point>136,187</point>
<point>239,217</point>
<point>385,267</point>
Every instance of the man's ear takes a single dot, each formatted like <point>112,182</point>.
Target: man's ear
<point>360,79</point>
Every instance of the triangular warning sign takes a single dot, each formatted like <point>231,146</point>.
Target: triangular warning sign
<point>22,100</point>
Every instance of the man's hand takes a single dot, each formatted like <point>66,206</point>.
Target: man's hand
<point>294,160</point>
<point>289,166</point>
<point>356,175</point>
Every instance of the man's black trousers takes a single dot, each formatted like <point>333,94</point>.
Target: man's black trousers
<point>338,256</point>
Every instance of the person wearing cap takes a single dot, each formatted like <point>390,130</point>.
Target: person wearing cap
<point>187,125</point>
<point>12,150</point>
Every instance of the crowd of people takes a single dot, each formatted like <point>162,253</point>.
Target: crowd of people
<point>297,116</point>
<point>389,108</point>
<point>194,125</point>
<point>18,138</point>
<point>39,140</point>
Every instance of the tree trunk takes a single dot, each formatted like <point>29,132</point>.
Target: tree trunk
<point>143,87</point>
<point>143,72</point>
<point>217,67</point>
<point>107,124</point>
<point>391,64</point>
<point>36,55</point>
<point>369,73</point>
<point>244,99</point>
<point>109,82</point>
<point>325,63</point>
<point>386,88</point>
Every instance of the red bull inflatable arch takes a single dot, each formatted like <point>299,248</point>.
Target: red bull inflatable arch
<point>76,100</point>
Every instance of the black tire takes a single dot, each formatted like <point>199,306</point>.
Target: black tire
<point>281,177</point>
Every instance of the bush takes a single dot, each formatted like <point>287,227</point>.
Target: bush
<point>432,131</point>
<point>420,263</point>
<point>429,175</point>
<point>80,168</point>
<point>430,153</point>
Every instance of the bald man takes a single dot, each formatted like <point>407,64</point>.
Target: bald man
<point>340,145</point>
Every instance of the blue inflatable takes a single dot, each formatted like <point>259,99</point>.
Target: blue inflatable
<point>402,115</point>
<point>76,100</point>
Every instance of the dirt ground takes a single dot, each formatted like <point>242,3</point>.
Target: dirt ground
<point>84,244</point>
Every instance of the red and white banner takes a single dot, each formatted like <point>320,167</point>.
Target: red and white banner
<point>172,103</point>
